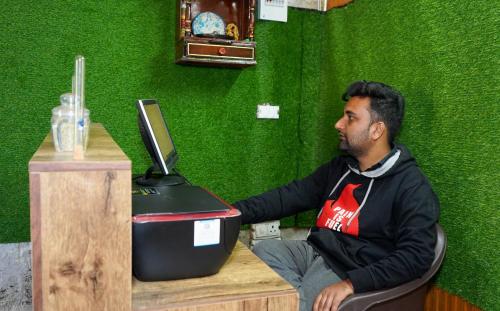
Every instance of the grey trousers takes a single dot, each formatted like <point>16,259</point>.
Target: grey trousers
<point>299,264</point>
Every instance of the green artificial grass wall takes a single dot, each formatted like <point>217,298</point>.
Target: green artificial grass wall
<point>444,57</point>
<point>129,50</point>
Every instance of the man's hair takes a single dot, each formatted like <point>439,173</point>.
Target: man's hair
<point>386,104</point>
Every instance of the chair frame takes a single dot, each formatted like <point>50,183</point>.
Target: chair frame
<point>410,295</point>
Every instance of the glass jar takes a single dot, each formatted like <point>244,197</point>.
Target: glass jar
<point>63,124</point>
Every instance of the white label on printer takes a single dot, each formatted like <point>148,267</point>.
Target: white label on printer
<point>206,232</point>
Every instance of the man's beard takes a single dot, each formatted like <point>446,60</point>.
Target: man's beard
<point>355,146</point>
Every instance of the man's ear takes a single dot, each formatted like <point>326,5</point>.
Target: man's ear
<point>377,130</point>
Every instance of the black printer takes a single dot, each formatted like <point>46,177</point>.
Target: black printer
<point>178,230</point>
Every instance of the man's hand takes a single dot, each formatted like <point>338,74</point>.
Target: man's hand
<point>331,296</point>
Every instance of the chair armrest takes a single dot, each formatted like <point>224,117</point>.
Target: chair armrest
<point>363,301</point>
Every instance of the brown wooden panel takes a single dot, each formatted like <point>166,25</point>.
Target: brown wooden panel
<point>243,278</point>
<point>258,304</point>
<point>227,306</point>
<point>80,226</point>
<point>86,240</point>
<point>219,51</point>
<point>283,302</point>
<point>36,234</point>
<point>102,154</point>
<point>440,300</point>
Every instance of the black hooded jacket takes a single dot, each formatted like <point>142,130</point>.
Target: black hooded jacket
<point>376,227</point>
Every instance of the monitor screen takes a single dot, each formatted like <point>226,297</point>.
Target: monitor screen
<point>155,134</point>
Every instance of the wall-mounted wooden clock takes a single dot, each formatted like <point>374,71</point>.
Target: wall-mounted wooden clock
<point>216,32</point>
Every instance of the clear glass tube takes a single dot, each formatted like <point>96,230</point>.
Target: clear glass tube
<point>79,100</point>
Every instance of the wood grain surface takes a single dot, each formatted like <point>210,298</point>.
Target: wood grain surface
<point>438,299</point>
<point>102,153</point>
<point>81,227</point>
<point>244,283</point>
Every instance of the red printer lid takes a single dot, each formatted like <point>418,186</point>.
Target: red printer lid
<point>178,203</point>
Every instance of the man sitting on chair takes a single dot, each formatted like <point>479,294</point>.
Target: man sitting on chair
<point>376,225</point>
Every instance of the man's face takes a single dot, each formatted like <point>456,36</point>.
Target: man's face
<point>354,126</point>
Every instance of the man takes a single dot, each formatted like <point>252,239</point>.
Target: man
<point>376,226</point>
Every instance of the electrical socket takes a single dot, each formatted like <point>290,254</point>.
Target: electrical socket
<point>265,230</point>
<point>268,111</point>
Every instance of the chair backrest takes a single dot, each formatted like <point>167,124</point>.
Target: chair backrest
<point>363,301</point>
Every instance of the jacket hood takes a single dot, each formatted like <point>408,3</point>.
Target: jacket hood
<point>397,160</point>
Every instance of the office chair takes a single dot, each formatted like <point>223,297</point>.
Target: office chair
<point>409,296</point>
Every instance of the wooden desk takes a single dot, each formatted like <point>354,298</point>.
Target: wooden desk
<point>244,283</point>
<point>81,227</point>
<point>81,240</point>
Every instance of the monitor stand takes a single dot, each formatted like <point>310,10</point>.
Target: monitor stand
<point>149,179</point>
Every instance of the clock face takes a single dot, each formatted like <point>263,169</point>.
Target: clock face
<point>208,23</point>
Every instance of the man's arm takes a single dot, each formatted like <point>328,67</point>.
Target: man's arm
<point>297,196</point>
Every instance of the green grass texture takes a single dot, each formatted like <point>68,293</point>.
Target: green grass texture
<point>443,56</point>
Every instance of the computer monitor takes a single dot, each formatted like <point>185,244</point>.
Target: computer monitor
<point>158,142</point>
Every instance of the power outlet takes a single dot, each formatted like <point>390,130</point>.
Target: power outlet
<point>265,230</point>
<point>268,111</point>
